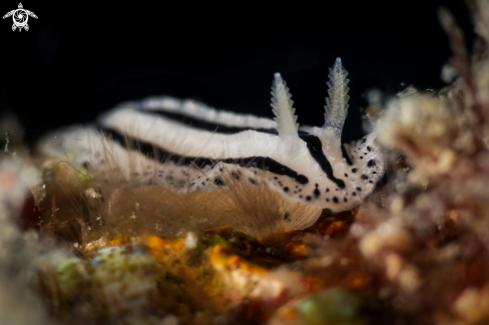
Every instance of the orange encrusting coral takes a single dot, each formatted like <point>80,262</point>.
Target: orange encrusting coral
<point>223,258</point>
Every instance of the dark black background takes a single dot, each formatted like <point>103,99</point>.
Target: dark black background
<point>80,58</point>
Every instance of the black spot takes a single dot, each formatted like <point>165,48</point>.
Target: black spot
<point>374,172</point>
<point>359,189</point>
<point>364,140</point>
<point>252,181</point>
<point>361,157</point>
<point>275,177</point>
<point>335,199</point>
<point>371,163</point>
<point>286,189</point>
<point>207,179</point>
<point>316,193</point>
<point>295,192</point>
<point>370,182</point>
<point>300,196</point>
<point>221,170</point>
<point>365,177</point>
<point>300,190</point>
<point>327,190</point>
<point>346,175</point>
<point>297,186</point>
<point>203,183</point>
<point>327,200</point>
<point>354,193</point>
<point>354,170</point>
<point>345,200</point>
<point>286,215</point>
<point>308,198</point>
<point>235,175</point>
<point>218,181</point>
<point>368,148</point>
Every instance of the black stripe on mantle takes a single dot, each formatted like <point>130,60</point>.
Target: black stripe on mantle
<point>201,124</point>
<point>158,154</point>
<point>316,150</point>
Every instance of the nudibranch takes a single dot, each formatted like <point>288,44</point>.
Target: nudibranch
<point>186,146</point>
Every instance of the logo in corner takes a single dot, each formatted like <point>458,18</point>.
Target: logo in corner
<point>20,17</point>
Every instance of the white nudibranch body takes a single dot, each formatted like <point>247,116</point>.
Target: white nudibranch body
<point>186,146</point>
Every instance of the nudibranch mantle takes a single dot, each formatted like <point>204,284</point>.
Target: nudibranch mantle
<point>186,146</point>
